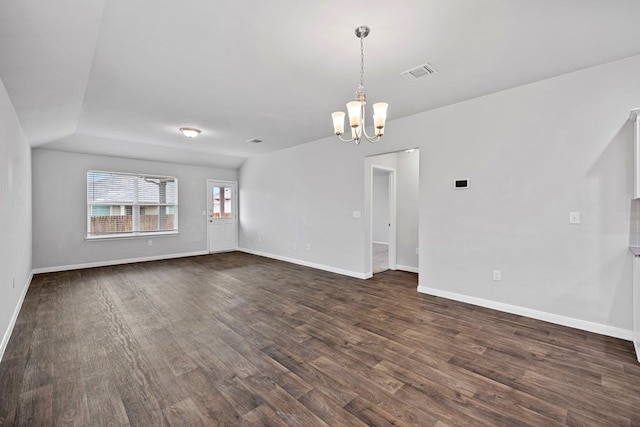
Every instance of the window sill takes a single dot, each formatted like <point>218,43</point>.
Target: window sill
<point>131,236</point>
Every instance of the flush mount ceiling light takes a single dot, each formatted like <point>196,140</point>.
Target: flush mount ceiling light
<point>190,132</point>
<point>356,108</point>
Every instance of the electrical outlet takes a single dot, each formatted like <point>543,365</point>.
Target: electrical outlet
<point>149,242</point>
<point>574,217</point>
<point>497,275</point>
<point>308,246</point>
<point>417,251</point>
<point>295,247</point>
<point>259,239</point>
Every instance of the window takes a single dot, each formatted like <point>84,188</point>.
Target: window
<point>120,204</point>
<point>222,205</point>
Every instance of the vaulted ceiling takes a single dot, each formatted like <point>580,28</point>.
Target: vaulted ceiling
<point>119,77</point>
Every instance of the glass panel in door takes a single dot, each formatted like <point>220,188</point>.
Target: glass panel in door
<point>222,202</point>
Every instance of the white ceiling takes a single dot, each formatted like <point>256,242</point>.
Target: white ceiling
<point>120,77</point>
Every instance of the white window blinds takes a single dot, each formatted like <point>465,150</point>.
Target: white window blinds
<point>130,204</point>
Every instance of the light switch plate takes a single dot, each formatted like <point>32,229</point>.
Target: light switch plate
<point>357,214</point>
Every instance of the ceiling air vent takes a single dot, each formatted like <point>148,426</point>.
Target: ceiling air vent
<point>419,71</point>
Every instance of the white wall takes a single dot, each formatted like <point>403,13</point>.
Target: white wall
<point>380,208</point>
<point>59,217</point>
<point>304,195</point>
<point>15,216</point>
<point>532,154</point>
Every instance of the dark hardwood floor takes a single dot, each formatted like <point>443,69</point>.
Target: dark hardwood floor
<point>235,339</point>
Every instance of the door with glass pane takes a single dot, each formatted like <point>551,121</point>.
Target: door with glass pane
<point>222,219</point>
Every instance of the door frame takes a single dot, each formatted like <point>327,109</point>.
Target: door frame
<point>234,207</point>
<point>392,214</point>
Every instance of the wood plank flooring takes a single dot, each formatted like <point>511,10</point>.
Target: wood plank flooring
<point>235,339</point>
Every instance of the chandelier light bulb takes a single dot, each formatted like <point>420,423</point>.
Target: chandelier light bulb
<point>354,108</point>
<point>338,122</point>
<point>379,114</point>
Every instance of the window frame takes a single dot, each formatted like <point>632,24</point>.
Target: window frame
<point>136,204</point>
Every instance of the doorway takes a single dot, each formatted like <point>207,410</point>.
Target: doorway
<point>398,174</point>
<point>222,216</point>
<point>383,206</point>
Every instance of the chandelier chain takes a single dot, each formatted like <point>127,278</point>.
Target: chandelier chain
<point>362,61</point>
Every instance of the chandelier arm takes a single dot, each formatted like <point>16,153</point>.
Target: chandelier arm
<point>363,128</point>
<point>374,138</point>
<point>371,138</point>
<point>345,140</point>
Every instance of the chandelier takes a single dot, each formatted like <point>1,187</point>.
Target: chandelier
<point>356,108</point>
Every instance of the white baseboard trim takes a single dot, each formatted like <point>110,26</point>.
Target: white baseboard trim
<point>557,319</point>
<point>380,243</point>
<point>14,317</point>
<point>407,268</point>
<point>349,273</point>
<point>115,262</point>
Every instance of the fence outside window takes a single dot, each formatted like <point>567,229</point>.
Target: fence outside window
<point>120,204</point>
